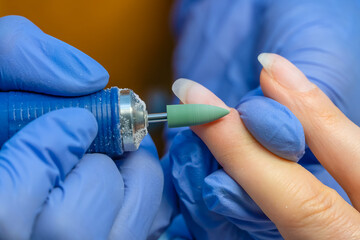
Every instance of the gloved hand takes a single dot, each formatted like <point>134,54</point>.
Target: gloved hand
<point>49,187</point>
<point>218,42</point>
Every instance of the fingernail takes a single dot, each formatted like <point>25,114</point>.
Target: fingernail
<point>190,92</point>
<point>180,88</point>
<point>266,60</point>
<point>285,73</point>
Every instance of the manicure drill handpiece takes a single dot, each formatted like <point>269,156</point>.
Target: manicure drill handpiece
<point>121,115</point>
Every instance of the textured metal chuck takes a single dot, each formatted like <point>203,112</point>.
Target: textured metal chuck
<point>133,120</point>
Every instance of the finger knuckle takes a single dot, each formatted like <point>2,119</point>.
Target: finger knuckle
<point>326,118</point>
<point>317,208</point>
<point>322,113</point>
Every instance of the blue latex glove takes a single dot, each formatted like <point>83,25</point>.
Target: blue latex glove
<point>49,187</point>
<point>218,42</point>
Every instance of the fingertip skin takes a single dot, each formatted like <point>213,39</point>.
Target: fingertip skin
<point>274,126</point>
<point>33,61</point>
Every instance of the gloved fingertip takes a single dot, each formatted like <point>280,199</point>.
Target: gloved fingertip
<point>148,145</point>
<point>274,126</point>
<point>34,61</point>
<point>20,23</point>
<point>13,30</point>
<point>144,182</point>
<point>83,74</point>
<point>145,160</point>
<point>92,192</point>
<point>74,73</point>
<point>14,23</point>
<point>100,170</point>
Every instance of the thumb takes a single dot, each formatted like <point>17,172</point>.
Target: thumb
<point>331,136</point>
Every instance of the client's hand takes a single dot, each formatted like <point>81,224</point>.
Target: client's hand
<point>296,201</point>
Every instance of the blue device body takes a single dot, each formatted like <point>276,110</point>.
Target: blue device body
<point>19,108</point>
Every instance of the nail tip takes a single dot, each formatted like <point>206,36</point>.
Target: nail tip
<point>260,56</point>
<point>177,87</point>
<point>265,60</point>
<point>180,88</point>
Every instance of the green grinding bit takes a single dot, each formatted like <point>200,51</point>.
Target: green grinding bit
<point>193,114</point>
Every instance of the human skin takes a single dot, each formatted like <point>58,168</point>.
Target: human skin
<point>299,204</point>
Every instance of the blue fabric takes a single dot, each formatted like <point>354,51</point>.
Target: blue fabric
<point>49,187</point>
<point>217,45</point>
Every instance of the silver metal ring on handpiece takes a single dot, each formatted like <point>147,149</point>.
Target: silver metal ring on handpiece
<point>126,120</point>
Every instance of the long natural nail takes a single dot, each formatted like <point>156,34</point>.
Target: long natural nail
<point>266,60</point>
<point>284,72</point>
<point>192,92</point>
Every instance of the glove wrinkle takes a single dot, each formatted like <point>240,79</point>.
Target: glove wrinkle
<point>187,149</point>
